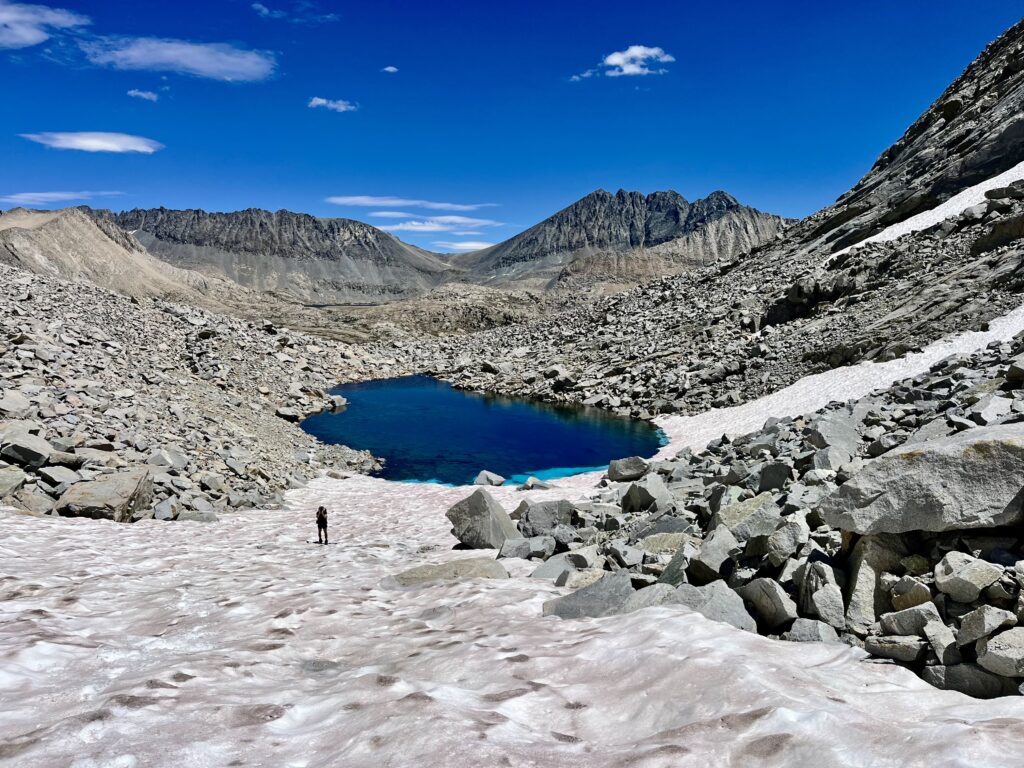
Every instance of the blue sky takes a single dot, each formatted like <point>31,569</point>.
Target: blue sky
<point>469,120</point>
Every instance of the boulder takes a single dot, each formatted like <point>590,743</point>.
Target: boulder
<point>654,595</point>
<point>774,607</point>
<point>648,494</point>
<point>865,599</point>
<point>112,497</point>
<point>758,516</point>
<point>968,480</point>
<point>943,642</point>
<point>624,470</point>
<point>969,679</point>
<point>540,518</point>
<point>605,597</point>
<point>908,592</point>
<point>11,479</point>
<point>488,478</point>
<point>555,568</point>
<point>962,576</point>
<point>982,622</point>
<point>25,449</point>
<point>1003,654</point>
<point>715,552</point>
<point>536,546</point>
<point>910,621</point>
<point>14,405</point>
<point>896,647</point>
<point>480,522</point>
<point>834,430</point>
<point>811,631</point>
<point>715,601</point>
<point>784,541</point>
<point>453,570</point>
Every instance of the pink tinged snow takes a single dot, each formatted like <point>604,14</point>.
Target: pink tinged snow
<point>238,643</point>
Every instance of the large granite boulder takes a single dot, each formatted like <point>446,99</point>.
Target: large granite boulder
<point>972,479</point>
<point>605,597</point>
<point>624,470</point>
<point>112,497</point>
<point>480,522</point>
<point>715,601</point>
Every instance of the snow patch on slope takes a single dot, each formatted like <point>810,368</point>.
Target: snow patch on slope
<point>952,207</point>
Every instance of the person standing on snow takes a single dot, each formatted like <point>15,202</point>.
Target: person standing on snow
<point>321,525</point>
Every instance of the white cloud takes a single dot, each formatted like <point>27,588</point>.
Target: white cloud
<point>22,25</point>
<point>335,105</point>
<point>635,60</point>
<point>48,198</point>
<point>390,70</point>
<point>95,141</point>
<point>393,214</point>
<point>467,245</point>
<point>371,201</point>
<point>217,61</point>
<point>135,93</point>
<point>457,224</point>
<point>266,13</point>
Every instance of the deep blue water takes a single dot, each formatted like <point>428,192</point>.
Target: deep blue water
<point>428,431</point>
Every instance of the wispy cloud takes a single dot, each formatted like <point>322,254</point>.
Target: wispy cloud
<point>217,61</point>
<point>304,12</point>
<point>390,70</point>
<point>95,141</point>
<point>393,214</point>
<point>266,13</point>
<point>23,25</point>
<point>460,225</point>
<point>466,245</point>
<point>135,93</point>
<point>335,105</point>
<point>635,60</point>
<point>372,201</point>
<point>49,198</point>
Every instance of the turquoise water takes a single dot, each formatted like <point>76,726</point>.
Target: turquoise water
<point>427,431</point>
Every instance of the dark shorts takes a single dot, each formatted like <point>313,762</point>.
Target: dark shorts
<point>321,526</point>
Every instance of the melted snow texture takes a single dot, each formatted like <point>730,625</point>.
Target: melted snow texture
<point>952,207</point>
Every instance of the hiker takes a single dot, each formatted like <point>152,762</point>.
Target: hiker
<point>321,525</point>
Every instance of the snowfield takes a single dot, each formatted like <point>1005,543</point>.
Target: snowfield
<point>237,643</point>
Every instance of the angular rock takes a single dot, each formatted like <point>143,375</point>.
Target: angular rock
<point>540,518</point>
<point>865,599</point>
<point>784,542</point>
<point>114,497</point>
<point>709,562</point>
<point>969,679</point>
<point>488,478</point>
<point>908,592</point>
<point>943,642</point>
<point>604,597</point>
<point>962,577</point>
<point>897,647</point>
<point>968,480</point>
<point>982,622</point>
<point>774,607</point>
<point>654,595</point>
<point>11,479</point>
<point>480,522</point>
<point>624,470</point>
<point>758,516</point>
<point>715,601</point>
<point>811,631</point>
<point>25,449</point>
<point>910,621</point>
<point>649,494</point>
<point>1003,654</point>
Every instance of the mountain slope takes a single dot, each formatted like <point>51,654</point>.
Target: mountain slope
<point>70,244</point>
<point>625,235</point>
<point>293,255</point>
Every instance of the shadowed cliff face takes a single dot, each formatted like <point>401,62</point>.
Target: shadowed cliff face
<point>302,257</point>
<point>626,235</point>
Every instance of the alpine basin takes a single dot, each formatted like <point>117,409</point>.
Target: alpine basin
<point>428,431</point>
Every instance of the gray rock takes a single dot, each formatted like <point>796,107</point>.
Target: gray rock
<point>57,476</point>
<point>555,567</point>
<point>982,622</point>
<point>536,546</point>
<point>872,556</point>
<point>197,516</point>
<point>897,647</point>
<point>836,431</point>
<point>648,494</point>
<point>968,480</point>
<point>715,601</point>
<point>648,597</point>
<point>540,518</point>
<point>715,551</point>
<point>965,678</point>
<point>774,607</point>
<point>25,449</point>
<point>624,470</point>
<point>784,542</point>
<point>488,478</point>
<point>1003,654</point>
<point>11,479</point>
<point>112,497</point>
<point>758,516</point>
<point>962,577</point>
<point>14,405</point>
<point>168,509</point>
<point>908,592</point>
<point>605,597</point>
<point>811,631</point>
<point>943,642</point>
<point>453,570</point>
<point>480,522</point>
<point>675,572</point>
<point>910,621</point>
